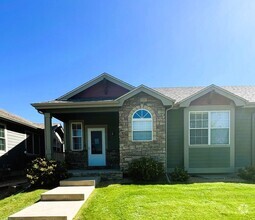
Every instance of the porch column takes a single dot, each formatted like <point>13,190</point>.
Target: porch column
<point>48,135</point>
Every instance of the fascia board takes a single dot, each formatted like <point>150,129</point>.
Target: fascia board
<point>165,100</point>
<point>239,101</point>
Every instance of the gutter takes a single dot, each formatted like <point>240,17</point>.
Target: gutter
<point>41,106</point>
<point>168,109</point>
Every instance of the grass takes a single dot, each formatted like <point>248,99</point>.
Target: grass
<point>15,203</point>
<point>182,201</point>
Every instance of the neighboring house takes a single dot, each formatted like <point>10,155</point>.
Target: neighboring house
<point>20,141</point>
<point>108,122</point>
<point>57,144</point>
<point>57,137</point>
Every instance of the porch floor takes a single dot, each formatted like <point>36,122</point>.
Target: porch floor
<point>105,174</point>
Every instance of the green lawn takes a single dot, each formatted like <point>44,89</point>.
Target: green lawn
<point>182,201</point>
<point>191,201</point>
<point>15,203</point>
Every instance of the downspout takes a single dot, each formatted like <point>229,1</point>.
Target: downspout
<point>168,109</point>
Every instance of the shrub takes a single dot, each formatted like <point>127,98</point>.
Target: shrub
<point>145,169</point>
<point>179,175</point>
<point>247,173</point>
<point>45,173</point>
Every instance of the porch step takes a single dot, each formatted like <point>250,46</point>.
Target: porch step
<point>103,174</point>
<point>80,181</point>
<point>71,193</point>
<point>56,205</point>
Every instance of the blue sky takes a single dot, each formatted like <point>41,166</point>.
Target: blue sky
<point>48,47</point>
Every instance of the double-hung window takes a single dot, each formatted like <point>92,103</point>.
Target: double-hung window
<point>2,138</point>
<point>209,127</point>
<point>142,125</point>
<point>76,136</point>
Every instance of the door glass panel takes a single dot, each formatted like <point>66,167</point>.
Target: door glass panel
<point>96,142</point>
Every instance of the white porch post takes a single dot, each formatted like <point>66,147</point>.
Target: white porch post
<point>48,135</point>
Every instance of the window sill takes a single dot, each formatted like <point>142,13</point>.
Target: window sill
<point>142,141</point>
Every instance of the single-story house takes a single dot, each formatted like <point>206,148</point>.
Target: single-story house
<point>22,140</point>
<point>108,123</point>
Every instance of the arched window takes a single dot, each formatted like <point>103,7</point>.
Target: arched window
<point>142,125</point>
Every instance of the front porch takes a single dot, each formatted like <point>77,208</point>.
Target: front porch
<point>91,139</point>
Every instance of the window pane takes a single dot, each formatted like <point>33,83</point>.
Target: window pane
<point>76,126</point>
<point>76,130</point>
<point>1,131</point>
<point>220,136</point>
<point>96,142</point>
<point>142,135</point>
<point>205,115</point>
<point>77,136</point>
<point>142,125</point>
<point>219,119</point>
<point>199,136</point>
<point>2,144</point>
<point>198,120</point>
<point>142,114</point>
<point>192,116</point>
<point>192,124</point>
<point>77,143</point>
<point>199,124</point>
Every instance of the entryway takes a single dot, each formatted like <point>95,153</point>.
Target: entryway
<point>96,147</point>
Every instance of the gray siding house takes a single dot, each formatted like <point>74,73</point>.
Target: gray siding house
<point>20,141</point>
<point>108,122</point>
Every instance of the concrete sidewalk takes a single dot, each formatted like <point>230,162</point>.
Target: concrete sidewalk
<point>61,203</point>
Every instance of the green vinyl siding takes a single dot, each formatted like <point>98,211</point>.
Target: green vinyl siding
<point>217,157</point>
<point>175,138</point>
<point>243,138</point>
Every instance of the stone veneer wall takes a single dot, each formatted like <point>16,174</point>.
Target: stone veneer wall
<point>135,149</point>
<point>79,159</point>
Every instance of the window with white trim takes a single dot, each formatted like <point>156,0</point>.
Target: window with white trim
<point>209,127</point>
<point>76,136</point>
<point>2,138</point>
<point>142,125</point>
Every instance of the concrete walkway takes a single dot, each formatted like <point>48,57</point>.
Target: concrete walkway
<point>61,203</point>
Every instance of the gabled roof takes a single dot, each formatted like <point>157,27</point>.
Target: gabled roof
<point>142,88</point>
<point>93,82</point>
<point>17,119</point>
<point>180,94</point>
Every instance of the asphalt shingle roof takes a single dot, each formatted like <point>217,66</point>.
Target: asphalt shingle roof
<point>181,93</point>
<point>17,119</point>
